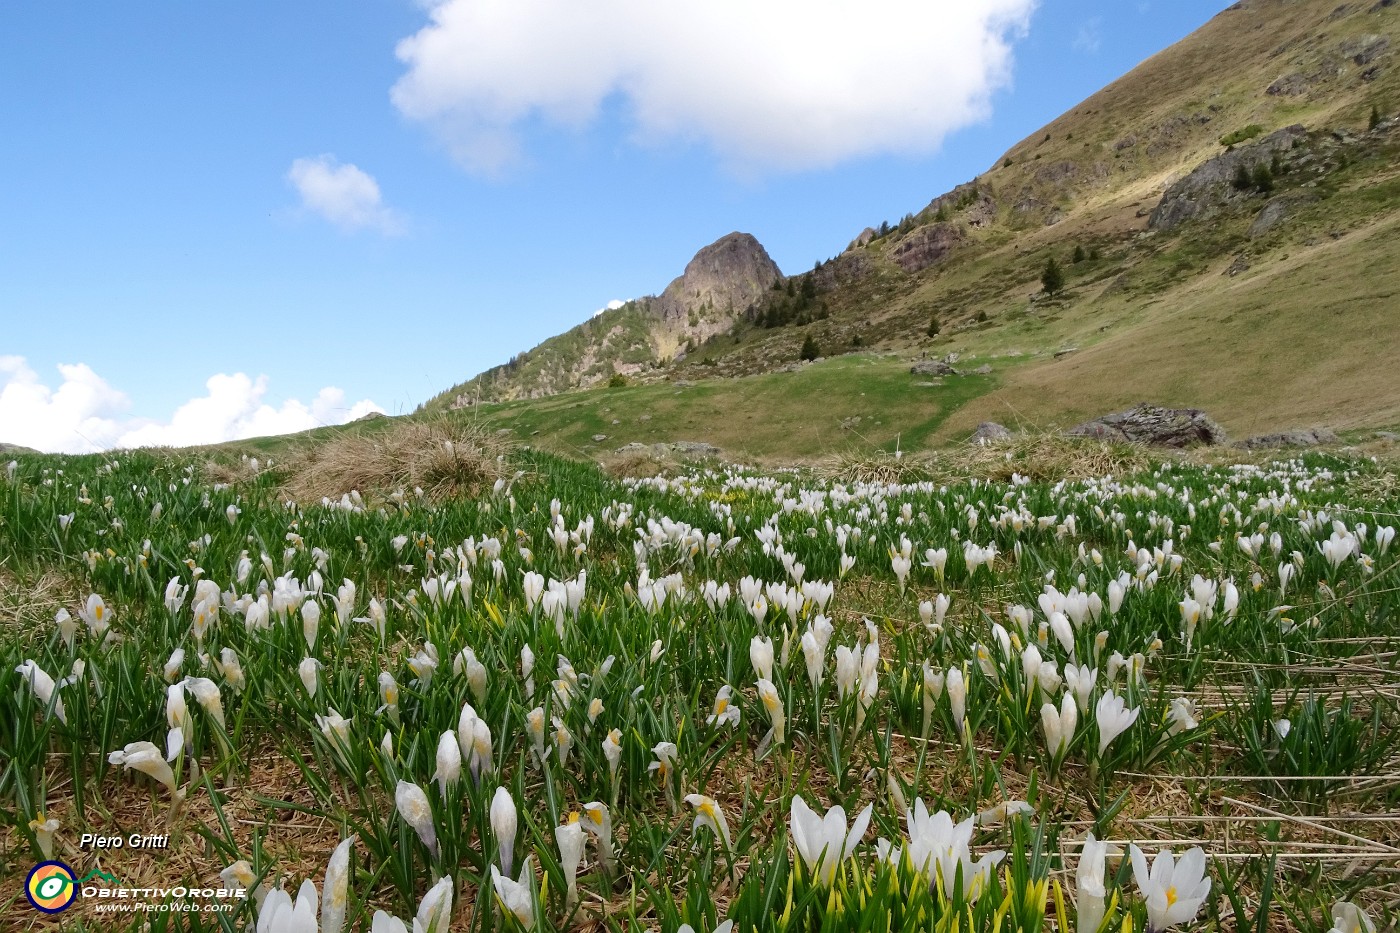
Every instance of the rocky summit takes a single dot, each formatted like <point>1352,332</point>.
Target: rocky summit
<point>720,284</point>
<point>724,279</point>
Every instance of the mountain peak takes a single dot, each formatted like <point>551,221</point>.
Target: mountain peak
<point>719,283</point>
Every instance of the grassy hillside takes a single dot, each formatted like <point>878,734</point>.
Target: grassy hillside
<point>1267,329</point>
<point>865,401</point>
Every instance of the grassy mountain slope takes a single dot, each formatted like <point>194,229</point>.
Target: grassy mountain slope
<point>1267,325</point>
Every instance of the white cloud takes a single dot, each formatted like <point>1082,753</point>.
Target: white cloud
<point>85,414</point>
<point>610,306</point>
<point>345,195</point>
<point>783,84</point>
<point>1089,38</point>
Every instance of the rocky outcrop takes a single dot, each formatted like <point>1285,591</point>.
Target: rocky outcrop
<point>926,246</point>
<point>970,202</point>
<point>1362,50</point>
<point>989,432</point>
<point>1208,186</point>
<point>1154,426</point>
<point>724,279</point>
<point>1310,437</point>
<point>1269,216</point>
<point>1289,85</point>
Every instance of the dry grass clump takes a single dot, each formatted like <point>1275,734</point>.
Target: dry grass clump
<point>871,466</point>
<point>28,602</point>
<point>443,457</point>
<point>1039,456</point>
<point>1044,456</point>
<point>224,471</point>
<point>640,464</point>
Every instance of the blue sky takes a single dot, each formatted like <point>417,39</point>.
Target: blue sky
<point>153,233</point>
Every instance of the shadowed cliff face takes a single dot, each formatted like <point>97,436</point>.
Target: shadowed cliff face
<point>721,282</point>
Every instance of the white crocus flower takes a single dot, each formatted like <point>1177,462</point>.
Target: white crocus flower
<point>43,686</point>
<point>1174,890</point>
<point>310,623</point>
<point>503,826</point>
<point>777,714</point>
<point>570,839</point>
<point>309,672</point>
<point>823,842</point>
<point>517,896</point>
<point>1346,916</point>
<point>279,914</point>
<point>336,890</point>
<point>146,758</point>
<point>435,910</point>
<point>383,923</point>
<point>597,822</point>
<point>449,762</point>
<point>761,656</point>
<point>725,711</point>
<point>1059,726</point>
<point>1113,718</point>
<point>206,694</point>
<point>43,829</point>
<point>413,806</point>
<point>956,686</point>
<point>708,813</point>
<point>1089,883</point>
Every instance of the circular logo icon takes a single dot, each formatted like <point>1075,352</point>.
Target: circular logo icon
<point>50,887</point>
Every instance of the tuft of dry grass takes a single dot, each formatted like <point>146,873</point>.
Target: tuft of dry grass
<point>443,457</point>
<point>28,603</point>
<point>640,464</point>
<point>1045,456</point>
<point>875,466</point>
<point>1040,456</point>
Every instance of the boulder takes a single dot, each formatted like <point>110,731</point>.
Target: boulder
<point>931,368</point>
<point>1310,437</point>
<point>989,432</point>
<point>599,438</point>
<point>1154,426</point>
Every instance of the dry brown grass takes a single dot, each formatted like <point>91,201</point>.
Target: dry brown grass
<point>640,464</point>
<point>1038,455</point>
<point>444,457</point>
<point>28,604</point>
